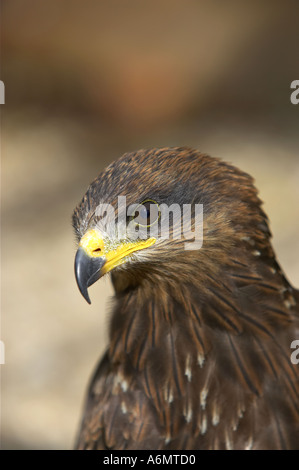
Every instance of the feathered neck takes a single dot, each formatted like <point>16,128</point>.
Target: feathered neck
<point>193,350</point>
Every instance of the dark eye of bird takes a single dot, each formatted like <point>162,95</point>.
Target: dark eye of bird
<point>147,213</point>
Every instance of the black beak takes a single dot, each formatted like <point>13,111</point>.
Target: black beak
<point>87,271</point>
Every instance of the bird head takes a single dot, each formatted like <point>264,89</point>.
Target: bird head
<point>164,214</point>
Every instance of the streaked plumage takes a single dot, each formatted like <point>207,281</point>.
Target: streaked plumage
<point>199,351</point>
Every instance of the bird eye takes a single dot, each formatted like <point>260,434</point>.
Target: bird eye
<point>147,213</point>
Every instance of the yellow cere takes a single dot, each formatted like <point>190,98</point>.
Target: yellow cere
<point>94,246</point>
<point>92,243</point>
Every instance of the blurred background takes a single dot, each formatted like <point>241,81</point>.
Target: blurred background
<point>86,82</point>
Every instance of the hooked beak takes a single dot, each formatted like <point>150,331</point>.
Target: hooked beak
<point>94,259</point>
<point>87,271</point>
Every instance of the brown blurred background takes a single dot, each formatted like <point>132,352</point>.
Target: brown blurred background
<point>86,82</point>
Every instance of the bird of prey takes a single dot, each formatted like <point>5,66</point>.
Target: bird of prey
<point>200,336</point>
